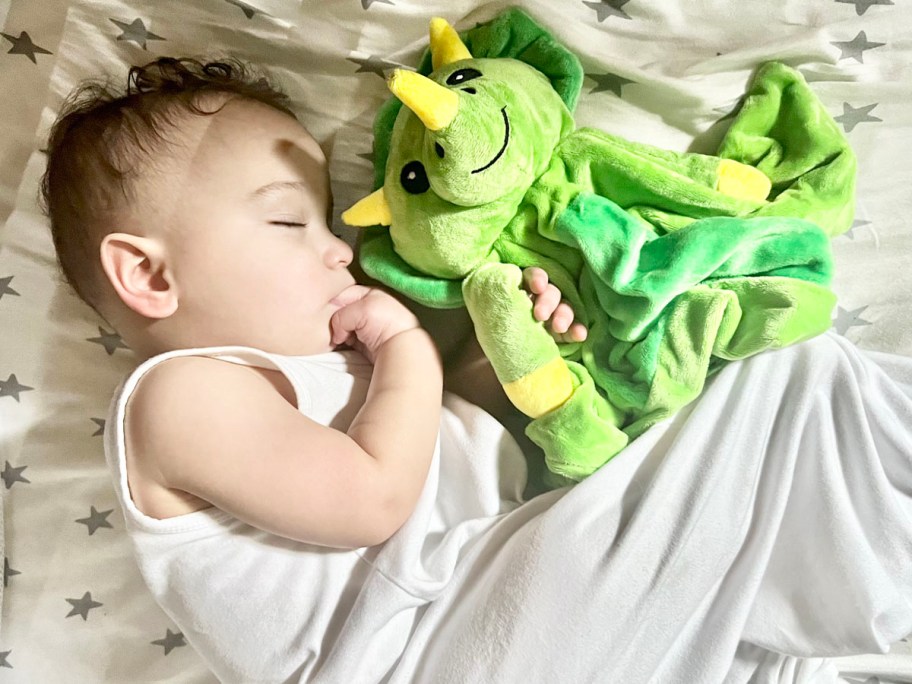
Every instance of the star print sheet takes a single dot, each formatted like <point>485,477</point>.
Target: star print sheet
<point>669,73</point>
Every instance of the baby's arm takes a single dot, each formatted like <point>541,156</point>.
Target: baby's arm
<point>222,433</point>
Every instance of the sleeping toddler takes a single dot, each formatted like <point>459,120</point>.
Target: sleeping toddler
<point>303,499</point>
<point>193,212</point>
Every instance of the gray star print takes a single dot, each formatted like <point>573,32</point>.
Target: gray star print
<point>611,82</point>
<point>13,475</point>
<point>248,10</point>
<point>849,319</point>
<point>111,341</point>
<point>83,605</point>
<point>96,519</point>
<point>11,387</point>
<point>367,3</point>
<point>608,8</point>
<point>373,65</point>
<point>861,6</point>
<point>3,659</point>
<point>852,116</point>
<point>5,288</point>
<point>136,32</point>
<point>369,156</point>
<point>857,223</point>
<point>8,571</point>
<point>855,47</point>
<point>100,422</point>
<point>171,641</point>
<point>23,45</point>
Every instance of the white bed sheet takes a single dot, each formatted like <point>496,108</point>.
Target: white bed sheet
<point>665,73</point>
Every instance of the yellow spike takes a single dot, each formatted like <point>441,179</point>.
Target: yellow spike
<point>433,103</point>
<point>445,44</point>
<point>369,211</point>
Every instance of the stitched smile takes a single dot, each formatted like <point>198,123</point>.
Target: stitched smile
<point>506,140</point>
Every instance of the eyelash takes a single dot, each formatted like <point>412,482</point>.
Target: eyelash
<point>289,224</point>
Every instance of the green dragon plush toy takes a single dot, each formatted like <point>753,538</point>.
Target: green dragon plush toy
<point>676,262</point>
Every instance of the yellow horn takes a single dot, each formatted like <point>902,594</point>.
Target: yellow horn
<point>369,211</point>
<point>433,103</point>
<point>445,44</point>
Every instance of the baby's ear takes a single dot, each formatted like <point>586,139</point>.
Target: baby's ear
<point>135,266</point>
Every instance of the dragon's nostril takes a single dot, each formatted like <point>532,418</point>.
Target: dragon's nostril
<point>438,149</point>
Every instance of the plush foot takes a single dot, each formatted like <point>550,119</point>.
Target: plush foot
<point>742,181</point>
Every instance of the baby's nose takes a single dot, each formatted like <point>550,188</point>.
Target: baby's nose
<point>341,253</point>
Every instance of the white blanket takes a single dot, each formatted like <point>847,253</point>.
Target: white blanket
<point>769,522</point>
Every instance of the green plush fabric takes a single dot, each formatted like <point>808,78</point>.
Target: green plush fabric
<point>673,277</point>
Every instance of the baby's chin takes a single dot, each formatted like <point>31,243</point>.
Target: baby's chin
<point>311,345</point>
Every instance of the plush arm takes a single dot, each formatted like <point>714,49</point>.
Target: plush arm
<point>668,189</point>
<point>577,428</point>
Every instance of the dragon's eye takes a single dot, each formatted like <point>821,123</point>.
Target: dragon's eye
<point>462,75</point>
<point>413,178</point>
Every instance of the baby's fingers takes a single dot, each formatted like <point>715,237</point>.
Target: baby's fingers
<point>562,318</point>
<point>547,303</point>
<point>535,279</point>
<point>545,297</point>
<point>548,306</point>
<point>350,294</point>
<point>343,325</point>
<point>577,333</point>
<point>351,315</point>
<point>563,327</point>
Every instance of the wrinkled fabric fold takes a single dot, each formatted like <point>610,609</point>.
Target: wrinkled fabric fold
<point>782,533</point>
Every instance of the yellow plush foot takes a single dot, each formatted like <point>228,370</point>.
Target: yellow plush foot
<point>742,181</point>
<point>542,390</point>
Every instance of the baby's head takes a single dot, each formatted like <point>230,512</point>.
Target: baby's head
<point>193,210</point>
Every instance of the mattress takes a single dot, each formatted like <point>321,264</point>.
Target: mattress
<point>669,73</point>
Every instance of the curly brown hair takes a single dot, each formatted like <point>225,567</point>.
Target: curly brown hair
<point>103,139</point>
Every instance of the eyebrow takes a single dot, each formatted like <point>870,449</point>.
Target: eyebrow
<point>276,187</point>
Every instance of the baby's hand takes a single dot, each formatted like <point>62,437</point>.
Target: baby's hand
<point>547,304</point>
<point>368,318</point>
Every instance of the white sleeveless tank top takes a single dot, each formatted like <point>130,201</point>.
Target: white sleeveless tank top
<point>262,608</point>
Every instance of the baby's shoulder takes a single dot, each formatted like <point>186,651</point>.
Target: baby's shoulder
<point>181,379</point>
<point>187,407</point>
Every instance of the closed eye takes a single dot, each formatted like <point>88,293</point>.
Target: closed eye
<point>289,224</point>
